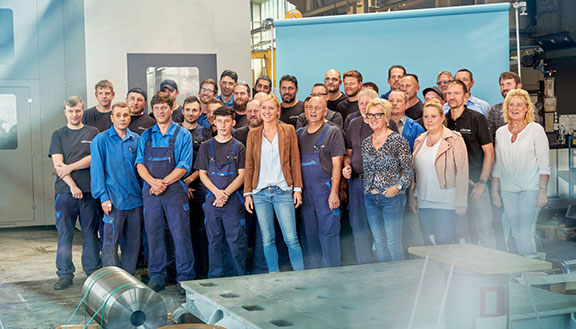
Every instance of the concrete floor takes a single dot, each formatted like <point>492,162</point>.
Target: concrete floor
<point>27,274</point>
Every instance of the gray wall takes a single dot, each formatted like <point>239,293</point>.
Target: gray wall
<point>48,65</point>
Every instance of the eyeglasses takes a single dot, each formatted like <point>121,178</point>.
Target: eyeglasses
<point>318,94</point>
<point>375,115</point>
<point>205,90</point>
<point>443,82</point>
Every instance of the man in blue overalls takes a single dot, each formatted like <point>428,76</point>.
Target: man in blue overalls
<point>221,164</point>
<point>164,158</point>
<point>116,183</point>
<point>322,150</point>
<point>70,153</point>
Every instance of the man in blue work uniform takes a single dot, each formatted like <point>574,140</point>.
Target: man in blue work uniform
<point>70,153</point>
<point>221,164</point>
<point>164,158</point>
<point>116,183</point>
<point>322,149</point>
<point>228,80</point>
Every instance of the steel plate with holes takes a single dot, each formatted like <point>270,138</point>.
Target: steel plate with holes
<point>363,296</point>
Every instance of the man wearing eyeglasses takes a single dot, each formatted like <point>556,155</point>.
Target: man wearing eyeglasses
<point>291,107</point>
<point>208,90</point>
<point>322,150</point>
<point>332,117</point>
<point>395,73</point>
<point>333,82</point>
<point>228,79</point>
<point>443,79</point>
<point>473,103</point>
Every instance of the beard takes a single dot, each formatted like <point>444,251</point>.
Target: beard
<point>239,108</point>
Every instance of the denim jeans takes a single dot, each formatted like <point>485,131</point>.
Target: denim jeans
<point>385,220</point>
<point>476,225</point>
<point>272,200</point>
<point>438,222</point>
<point>522,214</point>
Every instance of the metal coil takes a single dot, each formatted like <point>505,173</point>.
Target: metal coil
<point>122,301</point>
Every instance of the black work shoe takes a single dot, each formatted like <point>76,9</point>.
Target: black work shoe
<point>181,290</point>
<point>62,284</point>
<point>156,286</point>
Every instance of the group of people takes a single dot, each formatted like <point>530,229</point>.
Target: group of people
<point>195,185</point>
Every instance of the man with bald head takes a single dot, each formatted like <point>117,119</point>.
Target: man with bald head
<point>322,149</point>
<point>332,81</point>
<point>410,85</point>
<point>407,127</point>
<point>253,120</point>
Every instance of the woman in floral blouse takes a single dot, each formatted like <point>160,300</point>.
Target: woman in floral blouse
<point>388,172</point>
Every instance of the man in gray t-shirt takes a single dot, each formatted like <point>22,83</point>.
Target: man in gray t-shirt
<point>322,149</point>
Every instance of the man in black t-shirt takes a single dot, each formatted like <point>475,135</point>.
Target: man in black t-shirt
<point>291,107</point>
<point>70,153</point>
<point>410,85</point>
<point>352,86</point>
<point>136,100</point>
<point>321,151</point>
<point>333,82</point>
<point>474,129</point>
<point>240,99</point>
<point>99,115</point>
<point>196,190</point>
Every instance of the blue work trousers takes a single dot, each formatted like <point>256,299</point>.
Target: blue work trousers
<point>68,210</point>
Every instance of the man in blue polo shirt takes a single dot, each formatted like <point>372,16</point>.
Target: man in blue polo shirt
<point>116,183</point>
<point>164,158</point>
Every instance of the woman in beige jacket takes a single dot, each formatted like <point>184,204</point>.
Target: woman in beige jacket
<point>273,182</point>
<point>440,190</point>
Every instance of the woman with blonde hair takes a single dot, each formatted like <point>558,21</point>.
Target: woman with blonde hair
<point>273,182</point>
<point>387,164</point>
<point>521,169</point>
<point>440,190</point>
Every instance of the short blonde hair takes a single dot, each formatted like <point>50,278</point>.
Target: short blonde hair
<point>274,100</point>
<point>382,104</point>
<point>523,94</point>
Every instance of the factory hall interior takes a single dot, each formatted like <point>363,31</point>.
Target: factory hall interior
<point>266,164</point>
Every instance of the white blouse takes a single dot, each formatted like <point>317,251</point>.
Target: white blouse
<point>519,165</point>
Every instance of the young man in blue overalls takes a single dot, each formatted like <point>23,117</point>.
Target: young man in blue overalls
<point>116,183</point>
<point>221,164</point>
<point>164,158</point>
<point>322,150</point>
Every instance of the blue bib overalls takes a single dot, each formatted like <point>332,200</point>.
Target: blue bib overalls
<point>172,207</point>
<point>225,223</point>
<point>320,225</point>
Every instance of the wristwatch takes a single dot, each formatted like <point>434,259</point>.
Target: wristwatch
<point>399,187</point>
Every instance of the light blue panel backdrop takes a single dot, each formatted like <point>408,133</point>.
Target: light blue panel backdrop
<point>425,41</point>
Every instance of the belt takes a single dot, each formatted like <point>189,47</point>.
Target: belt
<point>360,176</point>
<point>374,191</point>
